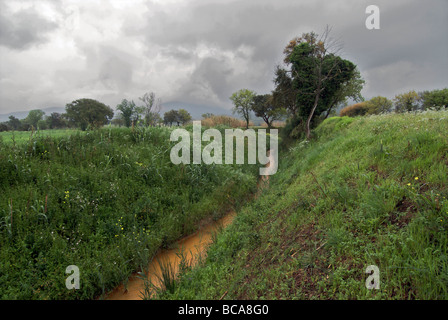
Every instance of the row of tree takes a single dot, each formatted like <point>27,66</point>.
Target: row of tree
<point>81,113</point>
<point>314,81</point>
<point>405,102</point>
<point>262,105</point>
<point>85,113</point>
<point>35,119</point>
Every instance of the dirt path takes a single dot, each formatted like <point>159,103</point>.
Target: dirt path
<point>191,247</point>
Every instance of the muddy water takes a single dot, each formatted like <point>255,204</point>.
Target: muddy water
<point>190,247</point>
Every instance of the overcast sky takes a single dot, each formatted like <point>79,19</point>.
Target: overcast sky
<point>200,52</point>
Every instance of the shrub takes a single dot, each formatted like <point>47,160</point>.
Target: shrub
<point>357,109</point>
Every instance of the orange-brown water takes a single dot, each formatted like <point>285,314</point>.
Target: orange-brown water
<point>190,248</point>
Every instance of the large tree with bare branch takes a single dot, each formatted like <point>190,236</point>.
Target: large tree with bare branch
<point>316,75</point>
<point>151,109</point>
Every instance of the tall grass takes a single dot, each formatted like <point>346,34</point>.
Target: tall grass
<point>103,200</point>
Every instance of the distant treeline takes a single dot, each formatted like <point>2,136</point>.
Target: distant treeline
<point>405,102</point>
<point>90,113</point>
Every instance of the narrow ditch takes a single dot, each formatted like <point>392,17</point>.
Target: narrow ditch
<point>189,248</point>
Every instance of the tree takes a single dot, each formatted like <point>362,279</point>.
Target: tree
<point>378,105</point>
<point>436,99</point>
<point>34,116</point>
<point>243,101</point>
<point>183,116</point>
<point>55,121</point>
<point>88,112</point>
<point>151,108</point>
<point>3,127</point>
<point>285,94</point>
<point>265,108</point>
<point>170,116</point>
<point>406,102</point>
<point>318,74</point>
<point>14,123</point>
<point>349,89</point>
<point>315,80</point>
<point>128,112</point>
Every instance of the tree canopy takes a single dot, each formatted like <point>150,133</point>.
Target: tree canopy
<point>88,112</point>
<point>128,112</point>
<point>435,99</point>
<point>264,107</point>
<point>316,77</point>
<point>243,101</point>
<point>408,101</point>
<point>34,116</point>
<point>178,116</point>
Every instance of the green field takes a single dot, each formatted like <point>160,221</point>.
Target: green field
<point>18,137</point>
<point>103,200</point>
<point>368,191</point>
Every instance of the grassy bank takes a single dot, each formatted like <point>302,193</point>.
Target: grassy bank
<point>104,201</point>
<point>365,191</point>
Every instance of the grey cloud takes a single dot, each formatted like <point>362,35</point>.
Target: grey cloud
<point>200,52</point>
<point>212,76</point>
<point>23,29</point>
<point>224,28</point>
<point>115,73</point>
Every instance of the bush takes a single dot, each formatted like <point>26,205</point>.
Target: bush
<point>357,109</point>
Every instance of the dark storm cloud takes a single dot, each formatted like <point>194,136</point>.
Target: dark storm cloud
<point>210,76</point>
<point>412,35</point>
<point>202,51</point>
<point>23,29</point>
<point>408,52</point>
<point>242,35</point>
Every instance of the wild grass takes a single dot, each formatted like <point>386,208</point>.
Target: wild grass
<point>24,136</point>
<point>366,191</point>
<point>102,200</point>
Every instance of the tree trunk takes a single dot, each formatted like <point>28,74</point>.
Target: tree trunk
<point>316,101</point>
